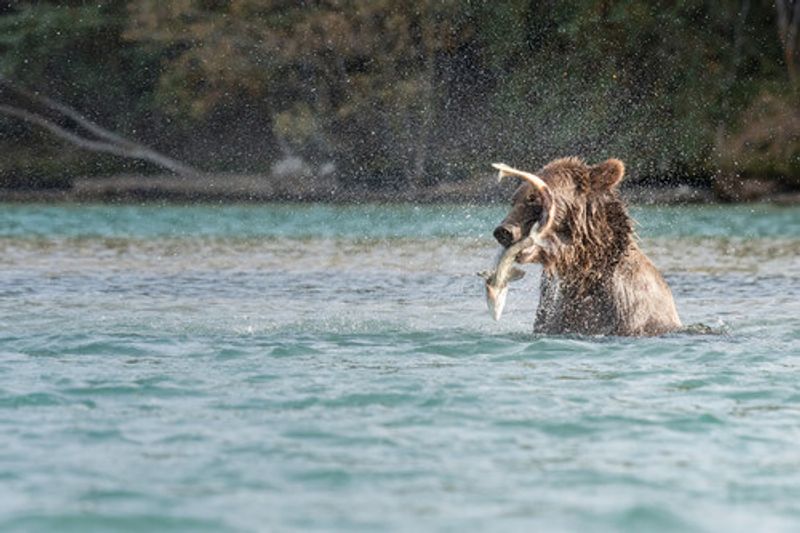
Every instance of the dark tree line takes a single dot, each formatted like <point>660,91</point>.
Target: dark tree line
<point>406,94</point>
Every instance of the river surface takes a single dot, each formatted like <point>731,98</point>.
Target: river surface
<point>320,368</point>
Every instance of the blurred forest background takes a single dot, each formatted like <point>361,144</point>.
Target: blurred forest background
<point>404,95</point>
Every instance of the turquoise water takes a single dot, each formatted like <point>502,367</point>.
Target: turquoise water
<point>318,368</point>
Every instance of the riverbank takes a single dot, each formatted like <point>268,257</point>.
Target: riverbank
<point>235,188</point>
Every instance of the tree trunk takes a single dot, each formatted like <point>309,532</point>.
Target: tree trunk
<point>788,29</point>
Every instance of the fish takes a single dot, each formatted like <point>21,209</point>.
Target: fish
<point>504,272</point>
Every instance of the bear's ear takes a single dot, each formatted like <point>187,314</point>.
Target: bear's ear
<point>606,175</point>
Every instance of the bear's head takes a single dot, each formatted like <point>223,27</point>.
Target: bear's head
<point>573,210</point>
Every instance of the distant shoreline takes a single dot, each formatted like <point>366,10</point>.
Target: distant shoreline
<point>128,189</point>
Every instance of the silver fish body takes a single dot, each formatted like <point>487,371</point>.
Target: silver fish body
<point>497,280</point>
<point>505,272</point>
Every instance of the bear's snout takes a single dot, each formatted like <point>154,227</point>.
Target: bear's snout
<point>507,234</point>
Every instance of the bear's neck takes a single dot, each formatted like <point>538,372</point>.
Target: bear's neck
<point>601,239</point>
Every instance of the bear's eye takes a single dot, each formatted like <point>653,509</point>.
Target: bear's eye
<point>535,203</point>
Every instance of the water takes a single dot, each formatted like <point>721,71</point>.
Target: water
<point>317,368</point>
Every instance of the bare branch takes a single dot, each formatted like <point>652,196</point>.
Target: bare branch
<point>58,131</point>
<point>134,151</point>
<point>109,142</point>
<point>66,111</point>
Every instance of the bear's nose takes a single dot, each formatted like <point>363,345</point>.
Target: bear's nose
<point>507,234</point>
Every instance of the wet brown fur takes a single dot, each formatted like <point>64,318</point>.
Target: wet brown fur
<point>596,280</point>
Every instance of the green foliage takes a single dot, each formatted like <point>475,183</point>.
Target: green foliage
<point>651,83</point>
<point>76,52</point>
<point>767,143</point>
<point>410,93</point>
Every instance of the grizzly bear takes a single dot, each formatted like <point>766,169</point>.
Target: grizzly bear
<point>595,279</point>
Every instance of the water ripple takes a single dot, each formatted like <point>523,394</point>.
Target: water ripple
<point>198,369</point>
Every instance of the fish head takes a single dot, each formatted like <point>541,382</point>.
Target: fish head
<point>496,300</point>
